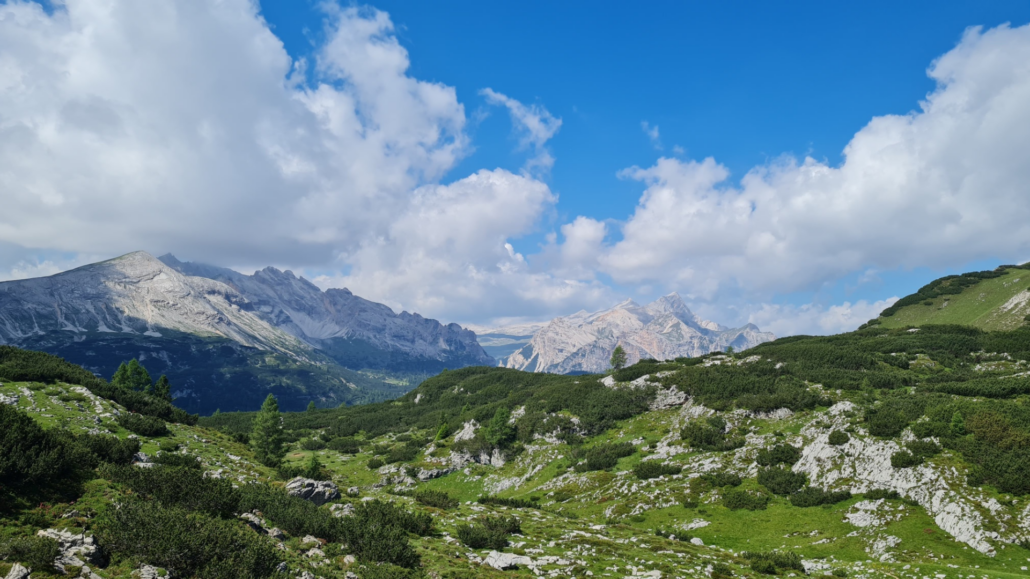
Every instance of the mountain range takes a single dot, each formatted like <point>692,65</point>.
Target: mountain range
<point>583,342</point>
<point>226,339</point>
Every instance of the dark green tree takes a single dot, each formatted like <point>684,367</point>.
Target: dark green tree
<point>163,388</point>
<point>958,424</point>
<point>499,433</point>
<point>618,358</point>
<point>311,406</point>
<point>133,376</point>
<point>266,438</point>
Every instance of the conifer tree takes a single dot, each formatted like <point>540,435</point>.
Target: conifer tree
<point>311,406</point>
<point>499,433</point>
<point>958,424</point>
<point>266,438</point>
<point>618,358</point>
<point>121,376</point>
<point>136,377</point>
<point>163,388</point>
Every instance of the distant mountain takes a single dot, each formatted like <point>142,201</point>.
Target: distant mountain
<point>998,299</point>
<point>504,341</point>
<point>664,329</point>
<point>354,332</point>
<point>225,339</point>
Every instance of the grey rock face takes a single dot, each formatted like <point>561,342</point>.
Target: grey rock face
<point>132,294</point>
<point>18,572</point>
<point>319,492</point>
<point>300,308</point>
<point>663,330</point>
<point>76,550</point>
<point>149,572</point>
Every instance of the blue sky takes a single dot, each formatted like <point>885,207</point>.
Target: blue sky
<point>743,82</point>
<point>753,86</point>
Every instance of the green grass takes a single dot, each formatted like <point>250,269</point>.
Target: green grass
<point>978,306</point>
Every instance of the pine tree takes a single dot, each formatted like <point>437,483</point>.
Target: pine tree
<point>958,424</point>
<point>499,433</point>
<point>163,388</point>
<point>267,436</point>
<point>121,376</point>
<point>137,377</point>
<point>618,358</point>
<point>311,406</point>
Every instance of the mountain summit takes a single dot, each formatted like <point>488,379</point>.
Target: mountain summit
<point>355,332</point>
<point>663,330</point>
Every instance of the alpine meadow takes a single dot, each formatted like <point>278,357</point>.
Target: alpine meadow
<point>324,290</point>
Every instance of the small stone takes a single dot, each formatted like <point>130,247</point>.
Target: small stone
<point>18,572</point>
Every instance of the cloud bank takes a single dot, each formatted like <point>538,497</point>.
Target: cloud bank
<point>186,127</point>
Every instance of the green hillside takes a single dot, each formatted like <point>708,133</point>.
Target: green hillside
<point>991,300</point>
<point>878,453</point>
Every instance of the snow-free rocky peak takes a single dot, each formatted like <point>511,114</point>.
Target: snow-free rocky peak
<point>132,294</point>
<point>663,330</point>
<point>355,331</point>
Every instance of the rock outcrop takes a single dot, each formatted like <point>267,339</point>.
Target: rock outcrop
<point>319,492</point>
<point>662,330</point>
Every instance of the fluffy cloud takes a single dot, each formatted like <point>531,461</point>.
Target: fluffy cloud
<point>652,134</point>
<point>943,185</point>
<point>816,319</point>
<point>165,124</point>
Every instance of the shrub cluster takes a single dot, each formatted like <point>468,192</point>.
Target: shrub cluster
<point>779,454</point>
<point>736,499</point>
<point>37,553</point>
<point>438,499</point>
<point>877,494</point>
<point>344,444</point>
<point>710,435</point>
<point>653,469</point>
<point>721,479</point>
<point>774,562</point>
<point>781,481</point>
<point>489,532</point>
<point>839,438</point>
<point>602,456</point>
<point>813,497</point>
<point>142,425</point>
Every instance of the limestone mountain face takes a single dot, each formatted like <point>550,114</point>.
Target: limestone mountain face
<point>133,295</point>
<point>662,330</point>
<point>355,332</point>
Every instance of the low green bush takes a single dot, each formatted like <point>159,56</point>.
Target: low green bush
<point>374,463</point>
<point>602,456</point>
<point>177,486</point>
<point>839,438</point>
<point>813,497</point>
<point>109,448</point>
<point>344,444</point>
<point>905,459</point>
<point>188,544</point>
<point>377,533</point>
<point>142,425</point>
<point>178,460</point>
<point>710,435</point>
<point>779,454</point>
<point>877,494</point>
<point>773,562</point>
<point>721,479</point>
<point>438,499</point>
<point>737,499</point>
<point>37,553</point>
<point>512,503</point>
<point>312,444</point>
<point>653,469</point>
<point>781,481</point>
<point>489,532</point>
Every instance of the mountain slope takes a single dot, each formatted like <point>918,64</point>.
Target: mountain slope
<point>662,330</point>
<point>991,300</point>
<point>844,450</point>
<point>355,332</point>
<point>202,333</point>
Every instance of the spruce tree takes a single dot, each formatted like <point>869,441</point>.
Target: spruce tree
<point>958,424</point>
<point>137,377</point>
<point>311,406</point>
<point>121,376</point>
<point>163,388</point>
<point>618,358</point>
<point>499,433</point>
<point>266,438</point>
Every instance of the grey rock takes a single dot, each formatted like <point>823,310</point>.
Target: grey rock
<point>76,550</point>
<point>282,567</point>
<point>276,534</point>
<point>150,572</point>
<point>429,474</point>
<point>506,561</point>
<point>319,492</point>
<point>342,510</point>
<point>18,572</point>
